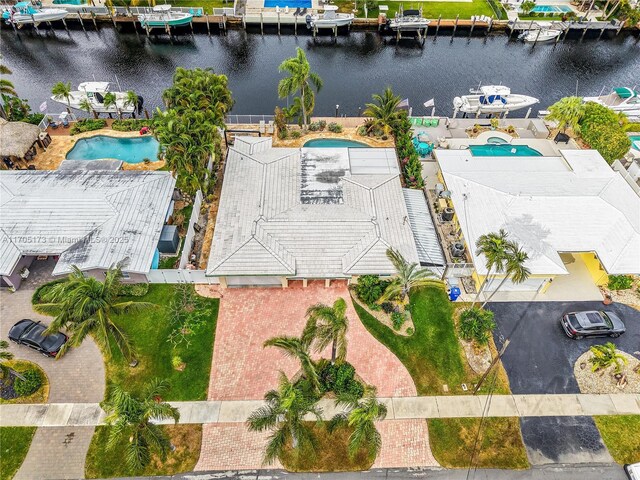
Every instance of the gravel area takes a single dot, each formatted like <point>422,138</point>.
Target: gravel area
<point>629,297</point>
<point>479,359</point>
<point>384,318</point>
<point>604,381</point>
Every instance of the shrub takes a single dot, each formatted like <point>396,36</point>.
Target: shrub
<point>387,307</point>
<point>370,288</point>
<point>362,131</point>
<point>495,122</point>
<point>339,379</point>
<point>176,361</point>
<point>620,282</point>
<point>323,124</point>
<point>87,125</point>
<point>31,383</point>
<point>281,122</point>
<point>605,356</point>
<point>296,134</point>
<point>476,325</point>
<point>34,118</point>
<point>632,127</point>
<point>397,319</point>
<point>317,126</point>
<point>596,114</point>
<point>133,289</point>
<point>334,127</point>
<point>130,124</point>
<point>608,139</point>
<point>410,331</point>
<point>371,4</point>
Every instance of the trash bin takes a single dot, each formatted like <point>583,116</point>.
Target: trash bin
<point>454,293</point>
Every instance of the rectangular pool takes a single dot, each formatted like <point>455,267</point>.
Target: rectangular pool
<point>287,3</point>
<point>551,9</point>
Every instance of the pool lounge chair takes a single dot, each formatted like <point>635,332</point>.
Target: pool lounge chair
<point>297,12</point>
<point>303,12</point>
<point>262,128</point>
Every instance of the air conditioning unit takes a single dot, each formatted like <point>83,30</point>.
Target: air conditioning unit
<point>457,250</point>
<point>447,214</point>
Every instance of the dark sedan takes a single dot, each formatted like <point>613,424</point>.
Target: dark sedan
<point>30,333</point>
<point>593,323</point>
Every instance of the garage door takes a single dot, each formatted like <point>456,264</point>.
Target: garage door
<point>529,285</point>
<point>254,282</point>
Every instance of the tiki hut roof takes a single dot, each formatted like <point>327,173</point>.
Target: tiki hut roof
<point>16,138</point>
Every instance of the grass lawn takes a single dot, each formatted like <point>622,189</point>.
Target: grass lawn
<point>208,5</point>
<point>103,463</point>
<point>149,330</point>
<point>40,395</point>
<point>432,10</point>
<point>14,445</point>
<point>331,454</point>
<point>432,355</point>
<point>554,18</point>
<point>500,446</point>
<point>621,435</point>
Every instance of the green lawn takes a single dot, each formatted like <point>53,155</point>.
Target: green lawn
<point>452,442</point>
<point>553,18</point>
<point>432,355</point>
<point>14,445</point>
<point>149,330</point>
<point>432,10</point>
<point>208,5</point>
<point>621,436</point>
<point>104,463</point>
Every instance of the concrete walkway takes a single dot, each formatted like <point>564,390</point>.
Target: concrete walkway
<point>237,411</point>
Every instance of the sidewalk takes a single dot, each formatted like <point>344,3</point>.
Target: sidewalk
<point>237,411</point>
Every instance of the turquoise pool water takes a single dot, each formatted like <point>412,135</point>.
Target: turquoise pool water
<point>551,9</point>
<point>334,143</point>
<point>503,150</point>
<point>635,141</point>
<point>287,3</point>
<point>129,150</point>
<point>497,141</point>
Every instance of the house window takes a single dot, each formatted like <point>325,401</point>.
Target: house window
<point>125,276</point>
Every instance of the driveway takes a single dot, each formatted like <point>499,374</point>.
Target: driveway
<point>541,357</point>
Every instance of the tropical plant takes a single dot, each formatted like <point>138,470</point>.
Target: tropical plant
<point>605,356</point>
<point>514,268</point>
<point>370,288</point>
<point>85,105</point>
<point>408,277</point>
<point>620,282</point>
<point>7,88</point>
<point>28,382</point>
<point>476,325</point>
<point>609,140</point>
<point>397,320</point>
<point>361,417</point>
<point>493,246</point>
<point>131,100</point>
<point>384,111</point>
<point>328,325</point>
<point>280,120</point>
<point>283,415</point>
<point>527,6</point>
<point>61,91</point>
<point>568,112</point>
<point>300,80</point>
<point>298,348</point>
<point>84,306</point>
<point>5,356</point>
<point>135,418</point>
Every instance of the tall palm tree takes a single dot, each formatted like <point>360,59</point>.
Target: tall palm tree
<point>4,70</point>
<point>5,356</point>
<point>514,268</point>
<point>86,106</point>
<point>84,306</point>
<point>408,277</point>
<point>328,325</point>
<point>298,348</point>
<point>384,111</point>
<point>131,100</point>
<point>284,414</point>
<point>62,90</point>
<point>361,416</point>
<point>134,418</point>
<point>301,79</point>
<point>494,247</point>
<point>7,88</point>
<point>568,112</point>
<point>109,100</point>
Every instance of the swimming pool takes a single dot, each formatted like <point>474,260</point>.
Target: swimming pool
<point>503,150</point>
<point>334,143</point>
<point>635,142</point>
<point>551,9</point>
<point>129,149</point>
<point>287,3</point>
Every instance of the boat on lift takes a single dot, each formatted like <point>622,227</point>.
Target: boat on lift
<point>23,13</point>
<point>163,16</point>
<point>329,19</point>
<point>410,20</point>
<point>94,93</point>
<point>540,35</point>
<point>492,99</point>
<point>621,99</point>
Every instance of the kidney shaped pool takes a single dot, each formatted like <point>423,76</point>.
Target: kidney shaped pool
<point>127,149</point>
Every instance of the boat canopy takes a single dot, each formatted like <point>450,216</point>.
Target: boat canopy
<point>489,99</point>
<point>87,87</point>
<point>25,7</point>
<point>495,90</point>
<point>411,13</point>
<point>624,92</point>
<point>162,8</point>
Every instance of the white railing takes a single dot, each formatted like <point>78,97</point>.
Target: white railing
<point>191,232</point>
<point>195,11</point>
<point>248,119</point>
<point>181,276</point>
<point>459,270</point>
<point>84,9</point>
<point>619,167</point>
<point>228,11</point>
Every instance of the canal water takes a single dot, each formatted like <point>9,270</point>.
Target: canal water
<point>353,67</point>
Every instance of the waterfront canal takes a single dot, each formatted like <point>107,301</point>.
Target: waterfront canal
<point>352,68</point>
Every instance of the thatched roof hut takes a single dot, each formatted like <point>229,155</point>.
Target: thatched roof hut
<point>17,138</point>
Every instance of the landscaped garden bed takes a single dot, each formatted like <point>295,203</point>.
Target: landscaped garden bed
<point>622,375</point>
<point>14,445</point>
<point>23,382</point>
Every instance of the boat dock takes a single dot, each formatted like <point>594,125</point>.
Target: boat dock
<point>565,27</point>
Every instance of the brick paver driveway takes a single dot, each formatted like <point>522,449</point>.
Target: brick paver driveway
<point>244,370</point>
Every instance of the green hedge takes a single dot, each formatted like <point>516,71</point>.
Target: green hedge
<point>31,382</point>
<point>87,125</point>
<point>130,124</point>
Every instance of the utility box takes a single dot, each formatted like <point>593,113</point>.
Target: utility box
<point>169,239</point>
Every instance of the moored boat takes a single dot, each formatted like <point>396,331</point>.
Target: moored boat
<point>94,93</point>
<point>622,99</point>
<point>410,20</point>
<point>23,13</point>
<point>540,35</point>
<point>329,19</point>
<point>492,99</point>
<point>163,16</point>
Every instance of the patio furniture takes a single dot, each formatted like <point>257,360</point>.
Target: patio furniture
<point>270,127</point>
<point>561,138</point>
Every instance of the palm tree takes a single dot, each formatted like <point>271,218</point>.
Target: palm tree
<point>515,268</point>
<point>408,277</point>
<point>4,70</point>
<point>604,356</point>
<point>361,416</point>
<point>131,100</point>
<point>568,112</point>
<point>328,325</point>
<point>494,248</point>
<point>7,88</point>
<point>384,111</point>
<point>109,100</point>
<point>134,418</point>
<point>284,414</point>
<point>62,90</point>
<point>5,356</point>
<point>84,305</point>
<point>298,348</point>
<point>85,105</point>
<point>301,79</point>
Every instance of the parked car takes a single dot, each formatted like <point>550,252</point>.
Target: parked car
<point>592,323</point>
<point>633,471</point>
<point>30,333</point>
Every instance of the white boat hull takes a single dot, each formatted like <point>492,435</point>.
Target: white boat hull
<point>471,104</point>
<point>334,21</point>
<point>532,36</point>
<point>43,15</point>
<point>631,110</point>
<point>76,99</point>
<point>409,25</point>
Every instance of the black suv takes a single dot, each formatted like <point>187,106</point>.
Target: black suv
<point>592,323</point>
<point>30,333</point>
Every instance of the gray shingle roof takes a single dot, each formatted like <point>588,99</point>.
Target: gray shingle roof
<point>303,213</point>
<point>91,219</point>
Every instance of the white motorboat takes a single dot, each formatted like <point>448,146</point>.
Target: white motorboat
<point>622,99</point>
<point>95,92</point>
<point>540,35</point>
<point>329,19</point>
<point>492,99</point>
<point>163,16</point>
<point>410,20</point>
<point>23,13</point>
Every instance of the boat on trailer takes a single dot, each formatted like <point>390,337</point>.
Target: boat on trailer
<point>621,99</point>
<point>410,20</point>
<point>163,16</point>
<point>540,35</point>
<point>23,13</point>
<point>492,99</point>
<point>329,19</point>
<point>95,92</point>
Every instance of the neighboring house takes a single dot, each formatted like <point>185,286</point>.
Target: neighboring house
<point>92,219</point>
<point>311,213</point>
<point>571,213</point>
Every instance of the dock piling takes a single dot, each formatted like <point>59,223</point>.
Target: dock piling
<point>244,21</point>
<point>261,23</point>
<point>81,22</point>
<point>438,26</point>
<point>93,17</point>
<point>113,20</point>
<point>208,26</point>
<point>455,26</point>
<point>473,24</point>
<point>278,23</point>
<point>490,25</point>
<point>528,113</point>
<point>535,42</point>
<point>64,22</point>
<point>584,31</point>
<point>295,26</point>
<point>224,22</point>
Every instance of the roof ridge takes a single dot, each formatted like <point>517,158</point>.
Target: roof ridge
<point>282,261</point>
<point>365,250</point>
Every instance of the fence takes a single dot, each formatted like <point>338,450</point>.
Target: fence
<point>627,175</point>
<point>248,119</point>
<point>229,12</point>
<point>181,276</point>
<point>458,270</point>
<point>191,231</point>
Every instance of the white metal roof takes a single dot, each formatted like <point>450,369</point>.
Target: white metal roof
<point>571,203</point>
<point>91,219</point>
<point>424,231</point>
<point>303,213</point>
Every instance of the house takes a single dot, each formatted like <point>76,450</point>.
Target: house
<point>311,213</point>
<point>578,220</point>
<point>91,219</point>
